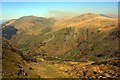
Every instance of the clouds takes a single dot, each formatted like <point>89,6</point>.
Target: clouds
<point>61,14</point>
<point>56,9</point>
<point>68,14</point>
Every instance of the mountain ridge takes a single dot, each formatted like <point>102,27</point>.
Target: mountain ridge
<point>57,48</point>
<point>64,35</point>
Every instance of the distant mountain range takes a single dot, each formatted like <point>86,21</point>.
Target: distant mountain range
<point>105,15</point>
<point>3,21</point>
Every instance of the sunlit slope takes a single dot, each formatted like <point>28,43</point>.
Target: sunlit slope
<point>90,37</point>
<point>13,63</point>
<point>28,27</point>
<point>88,20</point>
<point>85,36</point>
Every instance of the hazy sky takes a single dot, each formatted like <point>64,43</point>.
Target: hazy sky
<point>12,10</point>
<point>59,0</point>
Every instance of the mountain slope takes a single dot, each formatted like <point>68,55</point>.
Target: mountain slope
<point>13,63</point>
<point>72,38</point>
<point>82,35</point>
<point>92,20</point>
<point>85,46</point>
<point>14,67</point>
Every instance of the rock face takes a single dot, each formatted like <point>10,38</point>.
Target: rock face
<point>98,70</point>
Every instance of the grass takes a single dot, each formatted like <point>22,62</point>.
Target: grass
<point>47,70</point>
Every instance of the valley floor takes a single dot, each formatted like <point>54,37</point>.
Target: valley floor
<point>70,69</point>
<point>47,70</point>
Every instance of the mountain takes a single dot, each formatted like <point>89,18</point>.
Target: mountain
<point>30,24</point>
<point>14,65</point>
<point>79,36</point>
<point>92,20</point>
<point>105,15</point>
<point>2,22</point>
<point>81,40</point>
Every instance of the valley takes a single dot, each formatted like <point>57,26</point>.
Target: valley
<point>84,46</point>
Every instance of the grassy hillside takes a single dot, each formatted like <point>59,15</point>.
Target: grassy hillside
<point>13,65</point>
<point>85,46</point>
<point>98,46</point>
<point>85,37</point>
